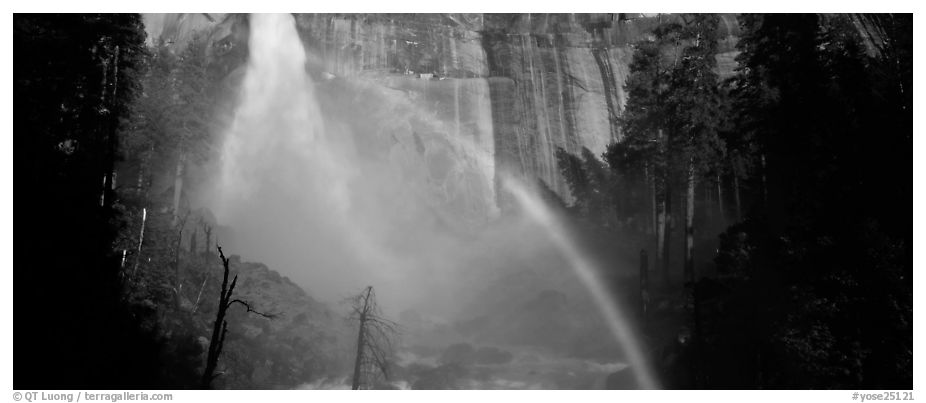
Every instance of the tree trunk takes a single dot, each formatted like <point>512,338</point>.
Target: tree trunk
<point>200,294</point>
<point>207,230</point>
<point>689,224</point>
<point>103,192</point>
<point>736,192</point>
<point>219,331</point>
<point>220,326</point>
<point>655,219</point>
<point>115,73</point>
<point>696,301</point>
<point>111,124</point>
<point>661,240</point>
<point>141,239</point>
<point>644,284</point>
<point>720,197</point>
<point>193,242</point>
<point>358,360</point>
<point>105,125</point>
<point>178,287</point>
<point>667,231</point>
<point>663,212</point>
<point>651,187</point>
<point>178,187</point>
<point>708,200</point>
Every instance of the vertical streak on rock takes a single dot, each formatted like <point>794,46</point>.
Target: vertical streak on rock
<point>555,181</point>
<point>552,104</point>
<point>454,56</point>
<point>502,107</point>
<point>528,117</point>
<point>603,60</point>
<point>566,100</point>
<point>572,143</point>
<point>545,159</point>
<point>558,68</point>
<point>325,43</point>
<point>382,56</point>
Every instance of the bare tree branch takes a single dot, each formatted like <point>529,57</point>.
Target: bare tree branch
<point>248,306</point>
<point>220,331</point>
<point>374,339</point>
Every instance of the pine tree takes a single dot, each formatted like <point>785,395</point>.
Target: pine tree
<point>643,124</point>
<point>671,121</point>
<point>693,115</point>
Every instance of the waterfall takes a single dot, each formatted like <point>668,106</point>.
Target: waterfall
<point>344,196</point>
<point>335,189</point>
<point>285,176</point>
<point>278,133</point>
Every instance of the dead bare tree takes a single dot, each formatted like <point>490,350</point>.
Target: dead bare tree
<point>220,327</point>
<point>200,294</point>
<point>375,336</point>
<point>178,286</point>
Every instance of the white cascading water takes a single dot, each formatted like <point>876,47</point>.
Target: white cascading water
<point>299,197</point>
<point>279,115</point>
<point>280,166</point>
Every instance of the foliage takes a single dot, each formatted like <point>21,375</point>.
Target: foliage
<point>820,264</point>
<point>823,250</point>
<point>74,76</point>
<point>590,183</point>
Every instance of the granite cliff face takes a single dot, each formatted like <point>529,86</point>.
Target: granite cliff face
<point>453,99</point>
<point>518,86</point>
